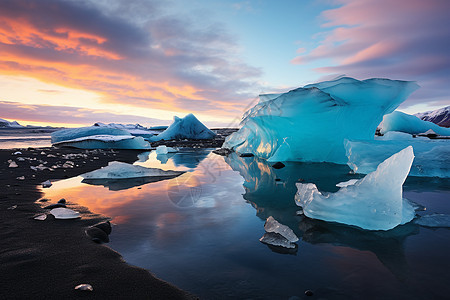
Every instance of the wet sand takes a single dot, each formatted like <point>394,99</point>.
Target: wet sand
<point>47,259</point>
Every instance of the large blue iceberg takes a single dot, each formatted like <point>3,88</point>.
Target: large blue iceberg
<point>188,127</point>
<point>310,123</point>
<point>374,202</point>
<point>74,133</point>
<point>398,121</point>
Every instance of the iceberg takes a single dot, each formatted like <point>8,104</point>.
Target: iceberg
<point>120,170</point>
<point>273,226</point>
<point>106,142</point>
<point>188,127</point>
<point>164,150</point>
<point>432,156</point>
<point>398,121</point>
<point>310,123</point>
<point>133,129</point>
<point>74,133</point>
<point>374,202</point>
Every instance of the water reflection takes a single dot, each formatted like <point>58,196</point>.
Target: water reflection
<point>271,192</point>
<point>126,183</point>
<point>199,231</point>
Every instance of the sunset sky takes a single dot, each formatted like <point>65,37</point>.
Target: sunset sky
<point>77,62</point>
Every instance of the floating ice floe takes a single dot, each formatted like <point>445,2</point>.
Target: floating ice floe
<point>106,142</point>
<point>399,121</point>
<point>432,157</point>
<point>120,170</point>
<point>64,213</point>
<point>188,127</point>
<point>310,123</point>
<point>274,226</point>
<point>434,220</point>
<point>164,150</point>
<point>276,239</point>
<point>374,202</point>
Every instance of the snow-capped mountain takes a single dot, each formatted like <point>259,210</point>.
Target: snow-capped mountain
<point>7,124</point>
<point>440,116</point>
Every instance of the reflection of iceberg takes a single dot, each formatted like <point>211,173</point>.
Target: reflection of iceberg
<point>434,220</point>
<point>311,123</point>
<point>432,156</point>
<point>374,202</point>
<point>268,199</point>
<point>120,170</point>
<point>126,183</point>
<point>190,159</point>
<point>398,121</point>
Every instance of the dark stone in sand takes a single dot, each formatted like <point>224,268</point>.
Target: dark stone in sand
<point>43,200</point>
<point>62,201</point>
<point>222,151</point>
<point>97,235</point>
<point>277,179</point>
<point>309,293</point>
<point>56,205</point>
<point>278,165</point>
<point>246,155</point>
<point>105,226</point>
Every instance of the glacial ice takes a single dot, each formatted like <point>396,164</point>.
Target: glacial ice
<point>432,157</point>
<point>374,202</point>
<point>276,239</point>
<point>311,123</point>
<point>64,213</point>
<point>164,150</point>
<point>75,133</point>
<point>274,226</point>
<point>398,121</point>
<point>133,129</point>
<point>120,170</point>
<point>106,142</point>
<point>434,220</point>
<point>188,127</point>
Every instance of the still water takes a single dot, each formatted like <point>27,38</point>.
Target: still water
<point>201,230</point>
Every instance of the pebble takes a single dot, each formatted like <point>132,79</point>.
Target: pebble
<point>105,226</point>
<point>84,287</point>
<point>12,207</point>
<point>13,164</point>
<point>97,235</point>
<point>309,293</point>
<point>62,201</point>
<point>46,184</point>
<point>278,165</point>
<point>21,178</point>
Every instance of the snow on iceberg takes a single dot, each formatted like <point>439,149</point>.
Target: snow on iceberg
<point>374,202</point>
<point>120,170</point>
<point>188,127</point>
<point>398,121</point>
<point>106,142</point>
<point>311,123</point>
<point>432,157</point>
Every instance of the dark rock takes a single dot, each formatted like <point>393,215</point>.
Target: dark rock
<point>43,200</point>
<point>97,235</point>
<point>309,293</point>
<point>62,201</point>
<point>278,165</point>
<point>105,226</point>
<point>246,155</point>
<point>277,179</point>
<point>56,205</point>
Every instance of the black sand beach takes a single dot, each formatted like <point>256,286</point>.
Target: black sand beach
<point>47,259</point>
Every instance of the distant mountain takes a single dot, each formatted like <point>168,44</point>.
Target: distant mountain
<point>440,116</point>
<point>7,124</point>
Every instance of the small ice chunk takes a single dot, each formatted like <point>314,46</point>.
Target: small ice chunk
<point>273,225</point>
<point>399,121</point>
<point>434,220</point>
<point>13,164</point>
<point>17,153</point>
<point>40,217</point>
<point>374,202</point>
<point>120,170</point>
<point>12,207</point>
<point>164,150</point>
<point>20,159</point>
<point>64,213</point>
<point>276,239</point>
<point>46,184</point>
<point>347,183</point>
<point>43,153</point>
<point>20,178</point>
<point>84,287</point>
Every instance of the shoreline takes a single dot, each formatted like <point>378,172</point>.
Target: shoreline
<point>47,259</point>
